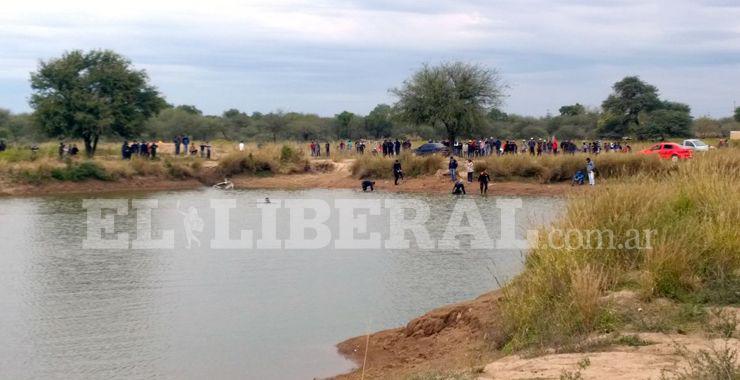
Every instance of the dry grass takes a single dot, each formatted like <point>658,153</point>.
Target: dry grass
<point>695,255</point>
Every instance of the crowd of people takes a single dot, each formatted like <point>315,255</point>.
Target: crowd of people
<point>141,149</point>
<point>534,147</point>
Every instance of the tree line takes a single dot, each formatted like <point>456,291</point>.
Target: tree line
<point>99,94</point>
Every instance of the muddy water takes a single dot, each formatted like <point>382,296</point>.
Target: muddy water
<point>73,312</point>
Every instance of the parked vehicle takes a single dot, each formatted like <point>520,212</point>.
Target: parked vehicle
<point>432,148</point>
<point>668,150</point>
<point>696,145</point>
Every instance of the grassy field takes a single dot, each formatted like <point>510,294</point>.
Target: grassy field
<point>694,257</point>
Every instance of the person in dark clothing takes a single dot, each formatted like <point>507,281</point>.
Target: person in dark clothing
<point>74,150</point>
<point>125,151</point>
<point>483,179</point>
<point>133,149</point>
<point>143,149</point>
<point>453,169</point>
<point>153,150</point>
<point>327,146</point>
<point>397,146</point>
<point>177,140</point>
<point>61,150</point>
<point>397,172</point>
<point>2,146</point>
<point>367,184</point>
<point>185,143</point>
<point>202,150</point>
<point>208,150</point>
<point>459,188</point>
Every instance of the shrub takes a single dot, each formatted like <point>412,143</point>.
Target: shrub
<point>80,171</point>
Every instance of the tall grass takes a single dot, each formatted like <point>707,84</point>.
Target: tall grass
<point>369,166</point>
<point>695,250</point>
<point>549,168</point>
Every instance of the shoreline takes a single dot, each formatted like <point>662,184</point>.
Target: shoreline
<point>330,180</point>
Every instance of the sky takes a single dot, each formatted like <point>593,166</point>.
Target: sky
<point>327,56</point>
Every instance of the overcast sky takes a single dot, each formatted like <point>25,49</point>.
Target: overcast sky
<point>326,56</point>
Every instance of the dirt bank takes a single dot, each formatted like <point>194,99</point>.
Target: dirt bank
<point>137,184</point>
<point>337,179</point>
<point>457,336</point>
<point>463,338</point>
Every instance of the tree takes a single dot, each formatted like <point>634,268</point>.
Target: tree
<point>378,121</point>
<point>275,123</point>
<point>737,114</point>
<point>665,122</point>
<point>88,94</point>
<point>629,98</point>
<point>574,110</point>
<point>452,96</point>
<point>344,124</point>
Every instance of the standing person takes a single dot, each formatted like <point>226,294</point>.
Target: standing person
<point>241,146</point>
<point>483,179</point>
<point>469,168</point>
<point>453,169</point>
<point>61,150</point>
<point>208,150</point>
<point>327,148</point>
<point>125,151</point>
<point>397,146</point>
<point>177,140</point>
<point>590,168</point>
<point>153,150</point>
<point>397,172</point>
<point>185,143</point>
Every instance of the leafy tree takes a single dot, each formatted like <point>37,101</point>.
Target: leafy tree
<point>575,109</point>
<point>378,122</point>
<point>343,123</point>
<point>452,96</point>
<point>274,123</point>
<point>665,122</point>
<point>190,109</point>
<point>737,114</point>
<point>497,115</point>
<point>177,121</point>
<point>630,97</point>
<point>88,94</point>
<point>707,127</point>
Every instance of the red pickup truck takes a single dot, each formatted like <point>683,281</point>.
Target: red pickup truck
<point>668,150</point>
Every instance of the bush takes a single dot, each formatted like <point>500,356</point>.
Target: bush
<point>80,171</point>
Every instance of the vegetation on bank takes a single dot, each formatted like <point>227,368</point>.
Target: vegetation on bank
<point>544,169</point>
<point>694,257</point>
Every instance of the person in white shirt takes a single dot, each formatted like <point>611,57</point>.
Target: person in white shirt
<point>469,166</point>
<point>241,146</point>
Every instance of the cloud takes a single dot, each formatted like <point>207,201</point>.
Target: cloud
<point>328,55</point>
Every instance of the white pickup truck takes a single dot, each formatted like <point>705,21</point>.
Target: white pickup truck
<point>695,145</point>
